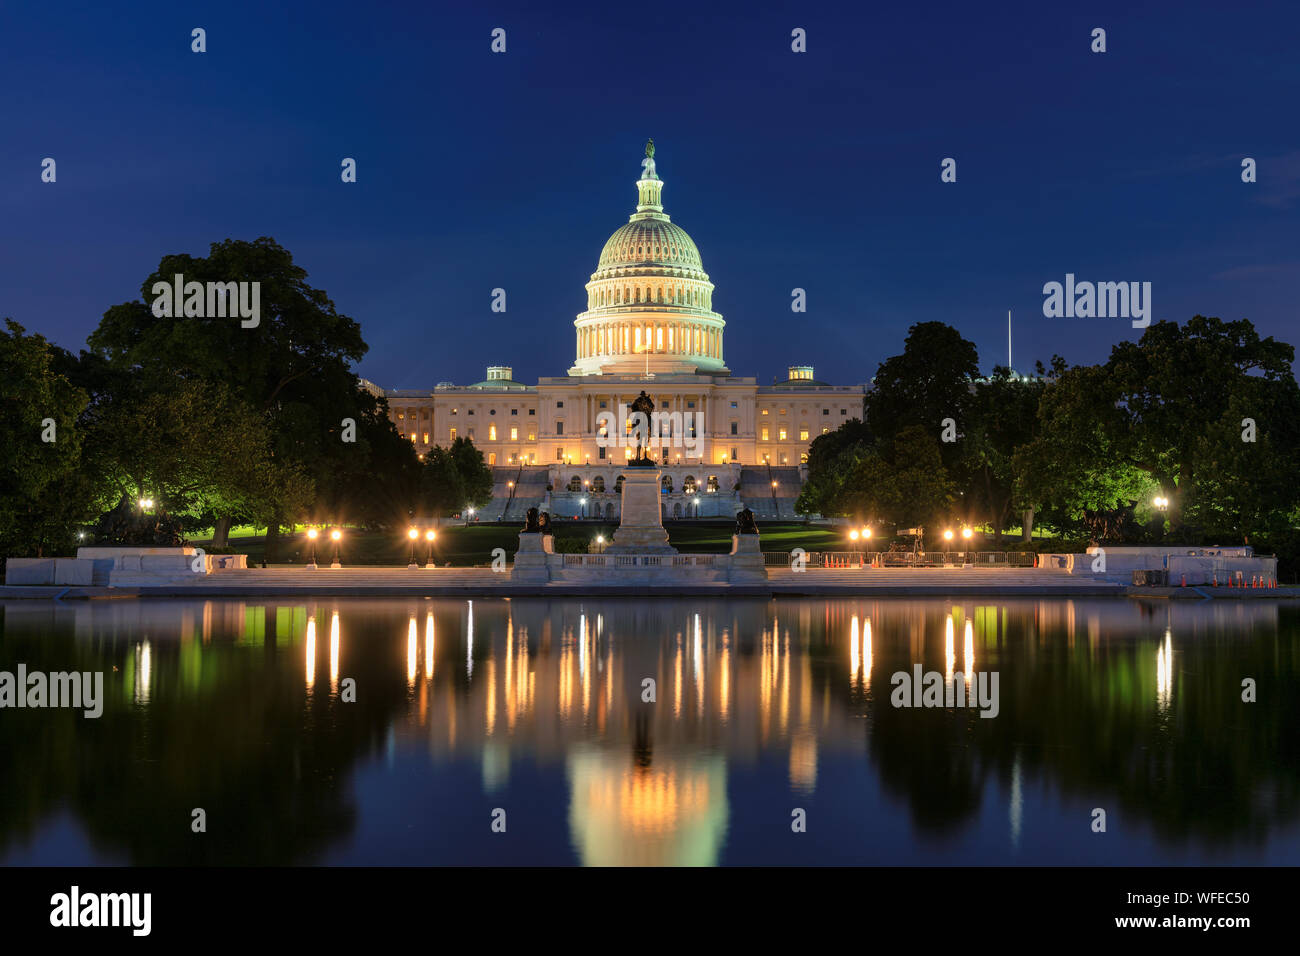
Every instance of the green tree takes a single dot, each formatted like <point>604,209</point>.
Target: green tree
<point>42,497</point>
<point>1003,417</point>
<point>930,381</point>
<point>902,482</point>
<point>1076,461</point>
<point>831,460</point>
<point>293,367</point>
<point>195,450</point>
<point>1173,388</point>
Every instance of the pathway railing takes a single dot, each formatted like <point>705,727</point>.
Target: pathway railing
<point>867,560</point>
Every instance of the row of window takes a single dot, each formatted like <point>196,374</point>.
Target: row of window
<point>657,295</point>
<point>664,405</point>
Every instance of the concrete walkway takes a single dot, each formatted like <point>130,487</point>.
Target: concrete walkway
<point>483,582</point>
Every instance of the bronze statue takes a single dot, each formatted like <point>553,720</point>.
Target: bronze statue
<point>531,524</point>
<point>545,522</point>
<point>645,405</point>
<point>745,523</point>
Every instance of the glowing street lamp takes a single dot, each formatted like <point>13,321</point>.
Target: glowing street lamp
<point>947,534</point>
<point>469,513</point>
<point>428,557</point>
<point>1161,502</point>
<point>967,533</point>
<point>853,535</point>
<point>312,534</point>
<point>413,534</point>
<point>336,536</point>
<point>145,504</point>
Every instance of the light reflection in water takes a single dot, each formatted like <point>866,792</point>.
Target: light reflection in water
<point>866,654</point>
<point>949,650</point>
<point>650,783</point>
<point>334,650</point>
<point>428,646</point>
<point>1165,671</point>
<point>309,653</point>
<point>143,672</point>
<point>412,652</point>
<point>968,653</point>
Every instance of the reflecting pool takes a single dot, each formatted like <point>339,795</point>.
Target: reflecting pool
<point>624,731</point>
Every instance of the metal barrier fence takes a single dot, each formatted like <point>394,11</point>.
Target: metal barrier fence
<point>902,559</point>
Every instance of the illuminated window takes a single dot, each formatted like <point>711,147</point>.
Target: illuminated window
<point>825,430</point>
<point>492,458</point>
<point>492,432</point>
<point>452,436</point>
<point>426,438</point>
<point>763,412</point>
<point>514,434</point>
<point>766,433</point>
<point>803,434</point>
<point>803,458</point>
<point>532,435</point>
<point>780,435</point>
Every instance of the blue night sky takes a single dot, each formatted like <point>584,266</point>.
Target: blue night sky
<point>817,170</point>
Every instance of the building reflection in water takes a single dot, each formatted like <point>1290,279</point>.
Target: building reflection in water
<point>735,684</point>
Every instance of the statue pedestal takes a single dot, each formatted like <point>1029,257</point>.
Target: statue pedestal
<point>530,560</point>
<point>747,565</point>
<point>641,526</point>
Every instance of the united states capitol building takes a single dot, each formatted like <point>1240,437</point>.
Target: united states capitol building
<point>723,441</point>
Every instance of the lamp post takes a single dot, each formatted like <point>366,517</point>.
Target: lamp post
<point>312,534</point>
<point>1162,505</point>
<point>336,536</point>
<point>428,556</point>
<point>413,534</point>
<point>583,502</point>
<point>967,534</point>
<point>947,537</point>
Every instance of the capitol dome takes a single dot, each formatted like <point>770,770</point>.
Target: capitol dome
<point>649,302</point>
<point>650,244</point>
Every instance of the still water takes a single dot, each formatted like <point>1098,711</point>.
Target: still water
<point>532,713</point>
